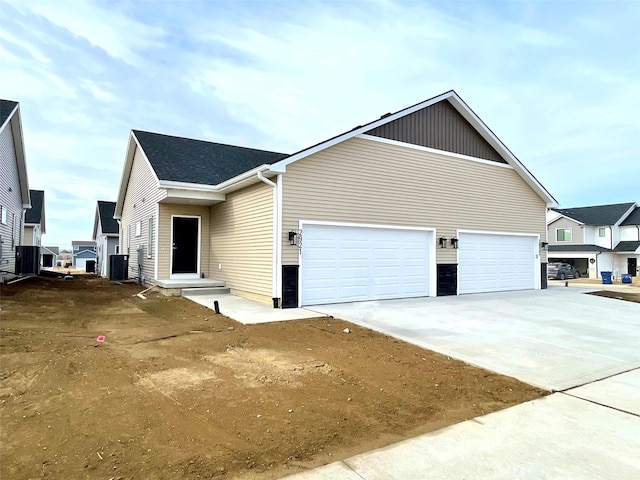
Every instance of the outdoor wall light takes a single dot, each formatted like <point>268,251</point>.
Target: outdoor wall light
<point>443,242</point>
<point>544,245</point>
<point>292,238</point>
<point>454,242</point>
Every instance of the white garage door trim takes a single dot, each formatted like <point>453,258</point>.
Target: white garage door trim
<point>430,250</point>
<point>483,273</point>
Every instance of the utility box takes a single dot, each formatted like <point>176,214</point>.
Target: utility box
<point>118,268</point>
<point>27,260</point>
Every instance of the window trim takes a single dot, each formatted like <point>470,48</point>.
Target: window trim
<point>138,228</point>
<point>564,230</point>
<point>602,232</point>
<point>149,236</point>
<point>3,215</point>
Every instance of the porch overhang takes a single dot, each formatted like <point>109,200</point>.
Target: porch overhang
<point>192,197</point>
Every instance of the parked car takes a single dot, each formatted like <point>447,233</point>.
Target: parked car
<point>561,271</point>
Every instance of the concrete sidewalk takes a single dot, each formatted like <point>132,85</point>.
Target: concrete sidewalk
<point>559,436</point>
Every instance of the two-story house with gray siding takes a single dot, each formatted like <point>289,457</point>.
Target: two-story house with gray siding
<point>595,239</point>
<point>83,250</point>
<point>106,233</point>
<point>14,185</point>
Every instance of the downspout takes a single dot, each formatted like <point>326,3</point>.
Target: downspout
<point>597,254</point>
<point>276,234</point>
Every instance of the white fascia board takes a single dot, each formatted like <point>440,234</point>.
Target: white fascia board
<point>243,176</point>
<point>564,216</point>
<point>133,146</point>
<point>194,194</point>
<point>501,148</point>
<point>625,215</point>
<point>281,166</point>
<point>96,221</point>
<point>18,143</point>
<point>8,119</point>
<point>171,184</point>
<point>463,109</point>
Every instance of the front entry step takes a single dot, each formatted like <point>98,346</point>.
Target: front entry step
<point>205,291</point>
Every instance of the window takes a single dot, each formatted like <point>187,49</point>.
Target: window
<point>563,234</point>
<point>76,247</point>
<point>13,231</point>
<point>602,232</point>
<point>128,238</point>
<point>138,228</point>
<point>3,215</point>
<point>149,236</point>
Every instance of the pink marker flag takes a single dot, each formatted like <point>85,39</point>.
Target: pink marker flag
<point>100,338</point>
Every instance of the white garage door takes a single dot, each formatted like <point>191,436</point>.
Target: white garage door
<point>81,263</point>
<point>493,263</point>
<point>349,264</point>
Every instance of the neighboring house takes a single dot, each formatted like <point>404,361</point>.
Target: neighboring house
<point>34,220</point>
<point>49,256</point>
<point>426,201</point>
<point>14,185</point>
<point>83,250</point>
<point>106,233</point>
<point>598,238</point>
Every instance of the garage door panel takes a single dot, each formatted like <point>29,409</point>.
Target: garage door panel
<point>364,263</point>
<point>493,262</point>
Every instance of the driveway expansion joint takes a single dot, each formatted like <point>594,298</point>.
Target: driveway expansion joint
<point>601,404</point>
<point>565,390</point>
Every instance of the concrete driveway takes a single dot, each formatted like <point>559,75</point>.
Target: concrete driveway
<point>586,347</point>
<point>555,339</point>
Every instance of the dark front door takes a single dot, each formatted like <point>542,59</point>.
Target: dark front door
<point>632,265</point>
<point>185,245</point>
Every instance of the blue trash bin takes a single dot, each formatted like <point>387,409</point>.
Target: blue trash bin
<point>626,278</point>
<point>606,278</point>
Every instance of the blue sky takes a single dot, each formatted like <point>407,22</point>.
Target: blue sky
<point>558,82</point>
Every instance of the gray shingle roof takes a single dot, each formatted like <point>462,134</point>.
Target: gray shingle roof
<point>597,214</point>
<point>627,246</point>
<point>107,222</point>
<point>196,161</point>
<point>577,248</point>
<point>54,250</point>
<point>34,214</point>
<point>6,107</point>
<point>633,218</point>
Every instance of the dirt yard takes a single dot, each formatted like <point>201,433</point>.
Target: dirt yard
<point>628,296</point>
<point>178,392</point>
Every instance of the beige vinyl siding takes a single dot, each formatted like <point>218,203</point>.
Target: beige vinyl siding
<point>242,241</point>
<point>577,232</point>
<point>139,204</point>
<point>364,181</point>
<point>11,201</point>
<point>164,235</point>
<point>27,238</point>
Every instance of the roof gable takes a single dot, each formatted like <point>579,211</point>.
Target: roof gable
<point>633,218</point>
<point>35,214</point>
<point>187,160</point>
<point>597,214</point>
<point>439,126</point>
<point>10,118</point>
<point>6,109</point>
<point>105,211</point>
<point>462,108</point>
<point>51,250</point>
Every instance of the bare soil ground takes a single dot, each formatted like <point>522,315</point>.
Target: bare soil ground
<point>628,296</point>
<point>177,392</point>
